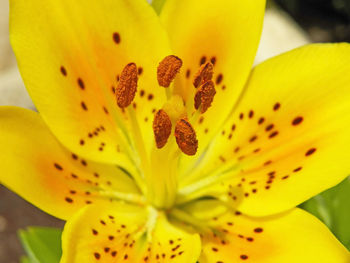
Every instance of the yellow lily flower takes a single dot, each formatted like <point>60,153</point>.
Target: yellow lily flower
<point>157,142</point>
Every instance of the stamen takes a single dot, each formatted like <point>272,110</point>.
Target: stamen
<point>168,69</point>
<point>127,86</point>
<point>161,128</point>
<point>204,74</point>
<point>205,96</point>
<point>186,137</point>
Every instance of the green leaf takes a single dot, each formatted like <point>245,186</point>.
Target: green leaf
<point>25,260</point>
<point>158,5</point>
<point>332,207</point>
<point>42,244</point>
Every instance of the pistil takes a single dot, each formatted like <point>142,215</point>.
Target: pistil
<point>164,156</point>
<point>185,135</point>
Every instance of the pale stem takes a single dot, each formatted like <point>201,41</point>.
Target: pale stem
<point>195,117</point>
<point>128,197</point>
<point>190,192</point>
<point>190,102</point>
<point>168,93</point>
<point>139,143</point>
<point>148,228</point>
<point>151,222</point>
<point>164,176</point>
<point>189,219</point>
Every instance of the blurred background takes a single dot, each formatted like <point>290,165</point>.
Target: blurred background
<point>323,20</point>
<point>288,24</point>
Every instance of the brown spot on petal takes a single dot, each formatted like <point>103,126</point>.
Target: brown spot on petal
<point>186,137</point>
<point>205,96</point>
<point>58,167</point>
<point>297,169</point>
<point>204,74</point>
<point>276,106</point>
<point>261,120</point>
<point>297,121</point>
<point>83,105</point>
<point>219,79</point>
<point>63,71</point>
<point>161,128</point>
<point>69,200</point>
<point>168,69</point>
<point>188,73</point>
<point>97,255</point>
<point>202,60</point>
<point>310,151</point>
<point>116,38</point>
<point>150,97</point>
<point>258,230</point>
<point>127,85</point>
<point>81,83</point>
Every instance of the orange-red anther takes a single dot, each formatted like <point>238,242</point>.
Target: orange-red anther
<point>168,69</point>
<point>126,89</point>
<point>205,96</point>
<point>204,74</point>
<point>186,137</point>
<point>161,128</point>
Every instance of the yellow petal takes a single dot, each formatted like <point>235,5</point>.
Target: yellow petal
<point>39,169</point>
<point>117,233</point>
<point>105,234</point>
<point>224,32</point>
<point>205,209</point>
<point>70,54</point>
<point>177,245</point>
<point>295,236</point>
<point>288,137</point>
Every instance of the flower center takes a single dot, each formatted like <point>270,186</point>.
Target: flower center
<point>159,168</point>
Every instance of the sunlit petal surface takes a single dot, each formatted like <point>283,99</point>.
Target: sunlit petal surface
<point>292,237</point>
<point>227,34</point>
<point>70,55</point>
<point>288,138</point>
<point>42,171</point>
<point>162,145</point>
<point>118,233</point>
